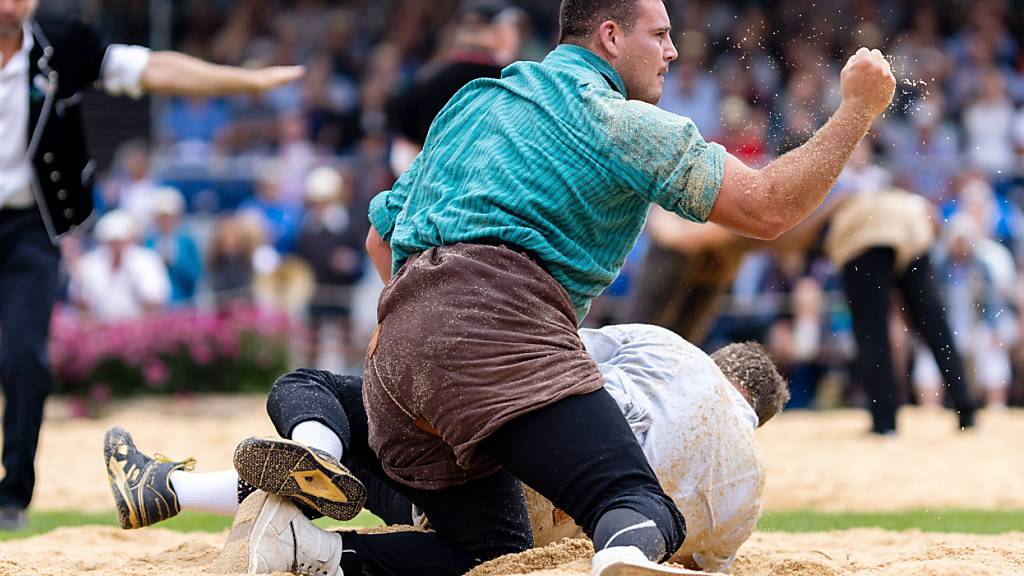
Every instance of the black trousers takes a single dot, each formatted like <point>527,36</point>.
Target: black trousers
<point>28,290</point>
<point>579,453</point>
<point>868,281</point>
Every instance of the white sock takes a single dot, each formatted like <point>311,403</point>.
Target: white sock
<point>315,435</point>
<point>215,492</point>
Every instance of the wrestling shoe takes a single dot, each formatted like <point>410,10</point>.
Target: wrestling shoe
<point>308,476</point>
<point>282,539</point>
<point>234,556</point>
<point>630,561</point>
<point>141,484</point>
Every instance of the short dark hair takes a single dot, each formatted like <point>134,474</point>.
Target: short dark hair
<point>579,18</point>
<point>749,366</point>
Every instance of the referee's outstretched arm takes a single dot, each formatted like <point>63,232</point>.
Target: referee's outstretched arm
<point>176,73</point>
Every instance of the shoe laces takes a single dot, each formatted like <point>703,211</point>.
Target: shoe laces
<point>188,464</point>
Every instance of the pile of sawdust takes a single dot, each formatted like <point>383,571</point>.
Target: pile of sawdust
<point>864,552</point>
<point>570,553</point>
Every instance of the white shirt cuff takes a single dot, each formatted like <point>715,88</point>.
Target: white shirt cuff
<point>122,69</point>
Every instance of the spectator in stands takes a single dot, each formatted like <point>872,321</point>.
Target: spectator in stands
<point>278,216</point>
<point>795,341</point>
<point>484,40</point>
<point>295,158</point>
<point>175,245</point>
<point>130,186</point>
<point>191,126</point>
<point>980,284</point>
<point>691,90</point>
<point>925,149</point>
<point>743,131</point>
<point>230,266</point>
<point>988,127</point>
<point>995,217</point>
<point>119,280</point>
<point>333,247</point>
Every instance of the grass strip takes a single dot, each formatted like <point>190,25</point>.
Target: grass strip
<point>41,522</point>
<point>962,521</point>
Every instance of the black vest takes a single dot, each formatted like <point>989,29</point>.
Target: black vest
<point>65,60</point>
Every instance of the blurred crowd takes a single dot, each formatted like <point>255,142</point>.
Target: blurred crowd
<point>264,197</point>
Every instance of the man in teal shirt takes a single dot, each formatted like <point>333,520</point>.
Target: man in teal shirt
<point>530,191</point>
<point>557,161</point>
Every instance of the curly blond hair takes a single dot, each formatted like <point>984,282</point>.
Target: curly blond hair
<point>748,366</point>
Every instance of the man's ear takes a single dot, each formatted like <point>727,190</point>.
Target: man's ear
<point>609,37</point>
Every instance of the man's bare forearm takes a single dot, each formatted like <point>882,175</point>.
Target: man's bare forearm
<point>801,179</point>
<point>176,73</point>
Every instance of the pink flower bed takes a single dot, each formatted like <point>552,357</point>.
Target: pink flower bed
<point>240,349</point>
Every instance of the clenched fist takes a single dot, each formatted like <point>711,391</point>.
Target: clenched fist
<point>867,81</point>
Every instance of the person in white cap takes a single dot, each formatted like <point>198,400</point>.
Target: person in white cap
<point>119,279</point>
<point>175,244</point>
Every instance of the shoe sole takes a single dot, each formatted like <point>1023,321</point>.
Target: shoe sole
<point>128,518</point>
<point>292,470</point>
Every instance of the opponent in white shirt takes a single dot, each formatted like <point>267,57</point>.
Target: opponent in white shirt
<point>691,414</point>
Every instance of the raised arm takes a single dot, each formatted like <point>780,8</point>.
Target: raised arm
<point>176,73</point>
<point>766,203</point>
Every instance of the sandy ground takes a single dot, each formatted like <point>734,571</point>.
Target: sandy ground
<point>93,550</point>
<point>821,461</point>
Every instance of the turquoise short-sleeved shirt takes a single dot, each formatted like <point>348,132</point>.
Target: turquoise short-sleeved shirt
<point>551,157</point>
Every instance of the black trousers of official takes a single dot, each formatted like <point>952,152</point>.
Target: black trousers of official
<point>553,449</point>
<point>868,281</point>
<point>28,289</point>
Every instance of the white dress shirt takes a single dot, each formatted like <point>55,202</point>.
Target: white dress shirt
<point>121,73</point>
<point>696,430</point>
<point>15,170</point>
<point>123,293</point>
